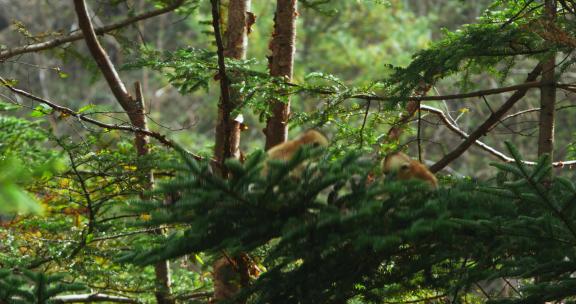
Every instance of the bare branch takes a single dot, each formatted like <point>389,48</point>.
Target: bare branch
<point>463,134</point>
<point>567,87</point>
<point>523,86</point>
<point>83,117</point>
<point>519,113</point>
<point>36,47</point>
<point>558,109</point>
<point>102,60</point>
<point>480,93</point>
<point>485,127</point>
<point>92,297</point>
<point>484,146</point>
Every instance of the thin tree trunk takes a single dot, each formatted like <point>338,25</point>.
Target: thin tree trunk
<point>281,62</point>
<point>161,268</point>
<point>547,100</point>
<point>228,129</point>
<point>134,107</point>
<point>230,274</point>
<point>548,94</point>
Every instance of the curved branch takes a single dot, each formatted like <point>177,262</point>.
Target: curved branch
<point>116,85</point>
<point>69,112</point>
<point>519,113</point>
<point>41,46</point>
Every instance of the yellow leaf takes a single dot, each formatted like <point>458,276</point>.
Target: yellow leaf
<point>63,115</point>
<point>100,260</point>
<point>145,216</point>
<point>77,220</point>
<point>64,183</point>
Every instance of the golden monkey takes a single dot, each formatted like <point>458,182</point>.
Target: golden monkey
<point>231,273</point>
<point>286,150</point>
<point>406,168</point>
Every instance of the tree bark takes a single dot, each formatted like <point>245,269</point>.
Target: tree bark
<point>134,107</point>
<point>227,128</point>
<point>281,63</point>
<point>547,94</point>
<point>230,274</point>
<point>142,141</point>
<point>547,117</point>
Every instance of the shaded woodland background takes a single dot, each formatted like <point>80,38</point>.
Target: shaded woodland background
<point>76,198</point>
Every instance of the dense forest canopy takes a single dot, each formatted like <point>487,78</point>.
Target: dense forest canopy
<point>312,151</point>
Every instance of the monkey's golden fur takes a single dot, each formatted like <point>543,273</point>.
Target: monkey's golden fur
<point>286,150</point>
<point>406,168</point>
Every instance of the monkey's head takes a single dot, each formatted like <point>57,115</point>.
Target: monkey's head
<point>314,138</point>
<point>405,168</point>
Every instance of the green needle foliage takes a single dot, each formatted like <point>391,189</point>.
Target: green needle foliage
<point>330,235</point>
<point>33,287</point>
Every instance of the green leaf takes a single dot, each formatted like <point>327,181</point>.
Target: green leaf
<point>8,106</point>
<point>86,108</point>
<point>15,200</point>
<point>41,110</point>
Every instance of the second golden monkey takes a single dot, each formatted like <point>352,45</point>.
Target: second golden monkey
<point>406,168</point>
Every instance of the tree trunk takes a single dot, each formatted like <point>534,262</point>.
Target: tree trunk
<point>281,62</point>
<point>230,274</point>
<point>547,101</point>
<point>134,107</point>
<point>227,128</point>
<point>547,94</point>
<point>162,268</point>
